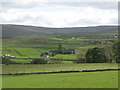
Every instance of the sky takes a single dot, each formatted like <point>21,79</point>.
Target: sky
<point>59,13</point>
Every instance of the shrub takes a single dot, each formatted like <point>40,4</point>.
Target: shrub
<point>39,61</point>
<point>81,60</point>
<point>116,50</point>
<point>6,61</point>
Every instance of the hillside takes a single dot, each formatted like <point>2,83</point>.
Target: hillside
<point>14,31</point>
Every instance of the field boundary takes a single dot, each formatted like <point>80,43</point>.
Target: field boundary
<point>61,72</point>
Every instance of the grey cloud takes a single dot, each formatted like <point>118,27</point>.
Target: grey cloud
<point>92,22</point>
<point>27,18</point>
<point>15,5</point>
<point>9,5</point>
<point>114,21</point>
<point>84,22</point>
<point>101,5</point>
<point>42,19</point>
<point>20,19</point>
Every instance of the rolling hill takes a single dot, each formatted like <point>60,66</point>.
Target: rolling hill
<point>14,31</point>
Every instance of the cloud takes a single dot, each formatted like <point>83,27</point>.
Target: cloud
<point>72,3</point>
<point>59,14</point>
<point>100,5</point>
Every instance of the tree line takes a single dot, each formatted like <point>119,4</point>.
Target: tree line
<point>98,54</point>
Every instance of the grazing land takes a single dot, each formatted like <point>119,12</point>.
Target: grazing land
<point>27,43</point>
<point>106,79</point>
<point>56,67</point>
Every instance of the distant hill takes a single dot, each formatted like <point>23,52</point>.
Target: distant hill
<point>14,31</point>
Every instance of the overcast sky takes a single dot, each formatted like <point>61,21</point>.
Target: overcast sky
<point>59,13</point>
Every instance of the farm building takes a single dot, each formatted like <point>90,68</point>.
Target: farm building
<point>8,56</point>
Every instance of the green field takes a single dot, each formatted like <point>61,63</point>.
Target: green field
<point>69,56</point>
<point>31,46</point>
<point>107,79</point>
<point>6,69</point>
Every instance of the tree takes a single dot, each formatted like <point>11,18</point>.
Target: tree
<point>96,55</point>
<point>108,50</point>
<point>116,50</point>
<point>80,54</point>
<point>59,46</point>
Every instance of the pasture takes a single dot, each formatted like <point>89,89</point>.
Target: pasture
<point>29,68</point>
<point>32,47</point>
<point>106,79</point>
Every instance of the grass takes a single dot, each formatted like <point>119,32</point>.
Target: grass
<point>25,52</point>
<point>107,79</point>
<point>22,61</point>
<point>63,56</point>
<point>10,52</point>
<point>35,52</point>
<point>55,67</point>
<point>67,62</point>
<point>30,52</point>
<point>33,46</point>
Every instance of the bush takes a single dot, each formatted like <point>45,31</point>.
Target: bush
<point>81,60</point>
<point>6,61</point>
<point>39,61</point>
<point>55,62</point>
<point>96,55</point>
<point>116,50</point>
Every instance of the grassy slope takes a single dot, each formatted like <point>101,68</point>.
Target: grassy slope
<point>33,46</point>
<point>56,67</point>
<point>108,79</point>
<point>10,31</point>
